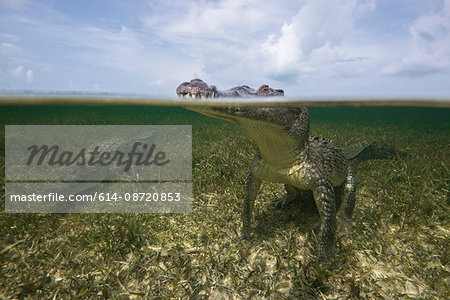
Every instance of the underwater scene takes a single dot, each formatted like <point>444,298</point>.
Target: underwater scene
<point>398,247</point>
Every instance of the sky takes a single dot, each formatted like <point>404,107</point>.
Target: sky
<point>309,48</point>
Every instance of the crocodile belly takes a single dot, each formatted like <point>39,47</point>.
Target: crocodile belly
<point>298,175</point>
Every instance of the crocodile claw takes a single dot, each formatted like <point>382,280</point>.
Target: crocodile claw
<point>283,202</point>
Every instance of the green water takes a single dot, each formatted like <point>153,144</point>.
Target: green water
<point>403,126</point>
<point>419,131</point>
<point>401,218</point>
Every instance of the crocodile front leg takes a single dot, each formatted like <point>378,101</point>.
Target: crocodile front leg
<point>253,185</point>
<point>324,196</point>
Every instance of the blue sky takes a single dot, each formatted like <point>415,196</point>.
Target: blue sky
<point>316,48</point>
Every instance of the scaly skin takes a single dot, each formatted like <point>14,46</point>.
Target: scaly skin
<point>286,154</point>
<point>197,88</point>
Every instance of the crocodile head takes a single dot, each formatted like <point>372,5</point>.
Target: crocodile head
<point>267,91</point>
<point>278,131</point>
<point>197,88</point>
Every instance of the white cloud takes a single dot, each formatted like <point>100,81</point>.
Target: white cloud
<point>222,39</point>
<point>29,76</point>
<point>8,46</point>
<point>314,39</point>
<point>20,73</point>
<point>230,20</point>
<point>428,50</point>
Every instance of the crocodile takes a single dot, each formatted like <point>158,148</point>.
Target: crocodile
<point>197,88</point>
<point>288,154</point>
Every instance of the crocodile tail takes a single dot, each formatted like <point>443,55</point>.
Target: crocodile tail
<point>360,152</point>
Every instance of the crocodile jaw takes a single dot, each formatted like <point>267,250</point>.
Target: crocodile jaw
<point>268,127</point>
<point>282,117</point>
